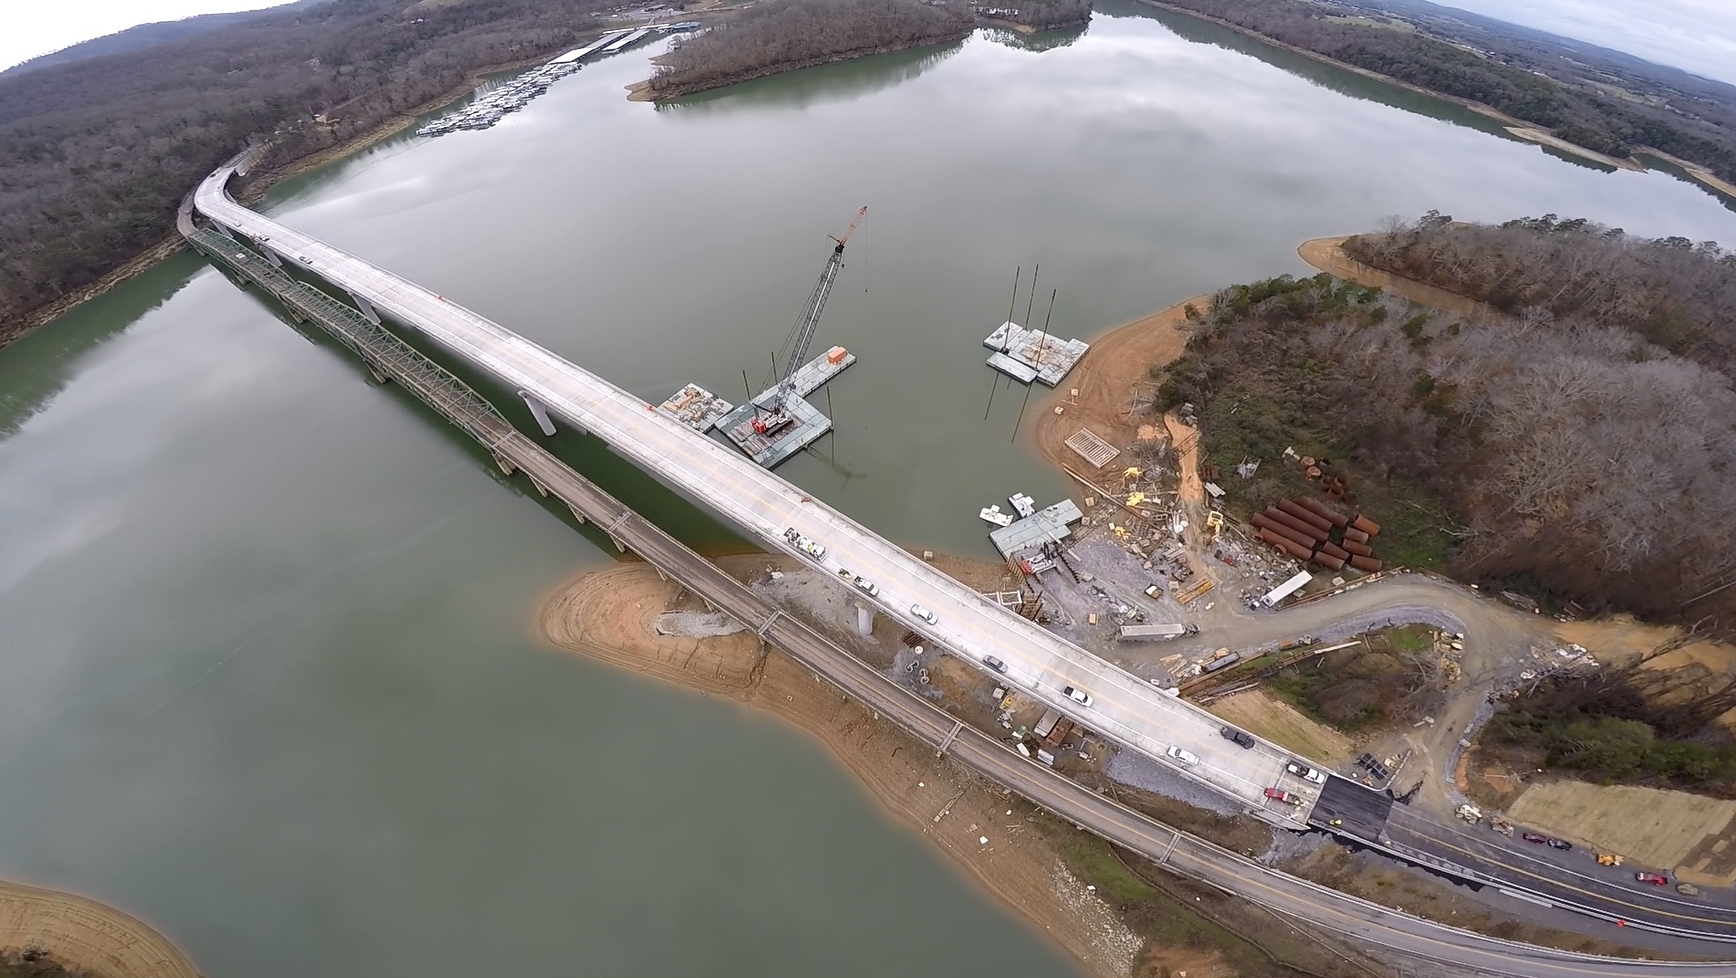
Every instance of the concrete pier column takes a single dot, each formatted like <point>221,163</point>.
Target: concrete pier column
<point>576,514</point>
<point>367,308</point>
<point>270,256</point>
<point>864,619</point>
<point>539,412</point>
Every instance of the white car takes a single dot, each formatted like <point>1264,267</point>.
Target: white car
<point>1305,772</point>
<point>923,613</point>
<point>1083,698</point>
<point>868,587</point>
<point>1183,757</point>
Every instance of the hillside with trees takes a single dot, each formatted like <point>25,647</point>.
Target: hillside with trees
<point>95,154</point>
<point>785,35</point>
<point>1616,109</point>
<point>1581,448</point>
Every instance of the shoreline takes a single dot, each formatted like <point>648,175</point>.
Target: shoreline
<point>1543,138</point>
<point>608,616</point>
<point>82,934</point>
<point>1515,127</point>
<point>172,244</point>
<point>1327,255</point>
<point>640,91</point>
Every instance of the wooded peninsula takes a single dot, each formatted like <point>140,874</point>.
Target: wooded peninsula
<point>1573,443</point>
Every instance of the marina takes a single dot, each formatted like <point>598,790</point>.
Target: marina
<point>496,103</point>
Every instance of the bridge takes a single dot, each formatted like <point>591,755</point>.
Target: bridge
<point>1123,707</point>
<point>387,356</point>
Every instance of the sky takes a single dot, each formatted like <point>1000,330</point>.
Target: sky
<point>1697,35</point>
<point>32,27</point>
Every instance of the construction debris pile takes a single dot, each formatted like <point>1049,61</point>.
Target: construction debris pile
<point>1310,530</point>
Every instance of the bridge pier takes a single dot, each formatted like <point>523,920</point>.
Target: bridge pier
<point>506,468</point>
<point>619,546</point>
<point>864,619</point>
<point>576,514</point>
<point>539,412</point>
<point>377,375</point>
<point>541,489</point>
<point>367,308</point>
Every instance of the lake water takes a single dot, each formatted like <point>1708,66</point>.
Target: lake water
<point>267,677</point>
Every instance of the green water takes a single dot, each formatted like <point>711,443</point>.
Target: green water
<point>267,677</point>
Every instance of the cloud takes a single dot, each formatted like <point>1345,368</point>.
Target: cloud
<point>1695,35</point>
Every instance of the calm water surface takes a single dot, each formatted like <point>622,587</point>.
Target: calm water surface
<point>266,669</point>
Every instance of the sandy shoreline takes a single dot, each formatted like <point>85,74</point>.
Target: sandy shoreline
<point>1327,254</point>
<point>79,933</point>
<point>609,615</point>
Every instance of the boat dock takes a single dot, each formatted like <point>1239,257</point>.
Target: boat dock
<point>1031,354</point>
<point>806,423</point>
<point>1026,538</point>
<point>493,104</point>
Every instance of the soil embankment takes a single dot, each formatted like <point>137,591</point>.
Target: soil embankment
<point>84,935</point>
<point>1106,381</point>
<point>611,615</point>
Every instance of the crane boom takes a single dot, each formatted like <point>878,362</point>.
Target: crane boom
<point>810,320</point>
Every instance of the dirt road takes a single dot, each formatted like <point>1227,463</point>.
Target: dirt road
<point>83,934</point>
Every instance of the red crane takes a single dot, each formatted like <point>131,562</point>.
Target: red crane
<point>803,332</point>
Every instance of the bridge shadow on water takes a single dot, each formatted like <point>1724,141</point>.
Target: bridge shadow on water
<point>675,513</point>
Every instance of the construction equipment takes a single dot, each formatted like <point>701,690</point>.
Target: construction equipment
<point>1608,859</point>
<point>774,416</point>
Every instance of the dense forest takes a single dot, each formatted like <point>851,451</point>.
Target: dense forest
<point>1580,448</point>
<point>1696,128</point>
<point>94,155</point>
<point>782,35</point>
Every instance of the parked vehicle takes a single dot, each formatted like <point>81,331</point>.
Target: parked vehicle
<point>1183,756</point>
<point>802,543</point>
<point>1534,838</point>
<point>1687,889</point>
<point>1305,772</point>
<point>923,613</point>
<point>1277,794</point>
<point>866,586</point>
<point>1083,698</point>
<point>1656,879</point>
<point>1562,844</point>
<point>994,663</point>
<point>1243,738</point>
<point>1608,859</point>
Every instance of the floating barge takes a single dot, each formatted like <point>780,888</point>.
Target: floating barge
<point>1028,355</point>
<point>805,424</point>
<point>696,407</point>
